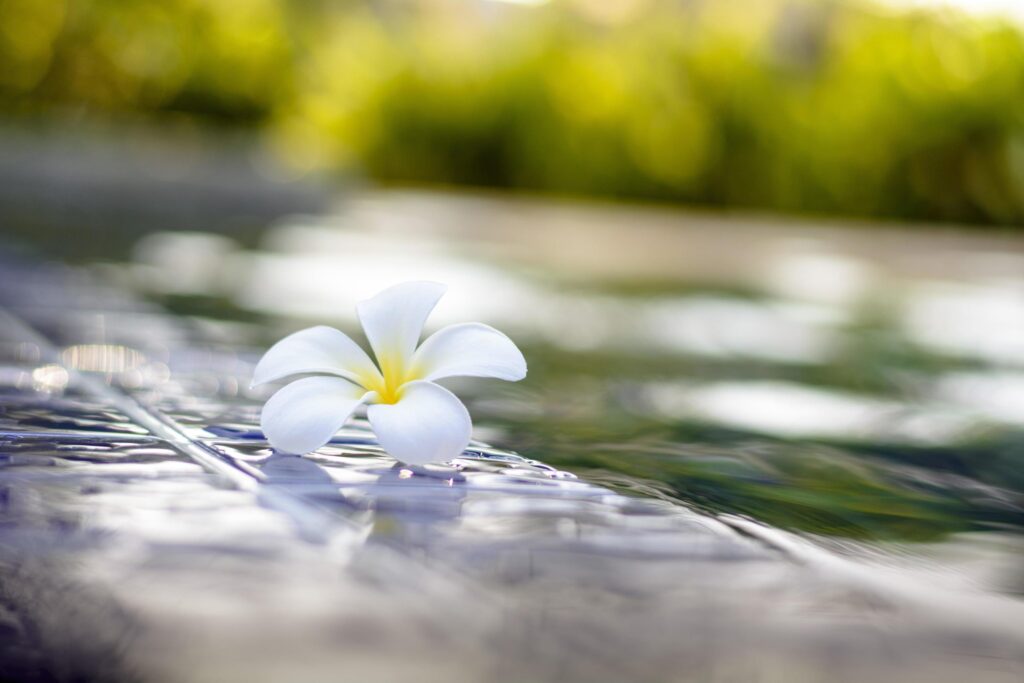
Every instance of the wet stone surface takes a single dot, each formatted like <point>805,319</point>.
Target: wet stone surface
<point>147,532</point>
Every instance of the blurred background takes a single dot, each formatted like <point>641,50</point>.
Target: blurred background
<point>903,109</point>
<point>764,257</point>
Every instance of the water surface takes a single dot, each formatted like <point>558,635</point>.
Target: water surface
<point>746,450</point>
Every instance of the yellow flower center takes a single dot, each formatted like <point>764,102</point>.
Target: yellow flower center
<point>394,375</point>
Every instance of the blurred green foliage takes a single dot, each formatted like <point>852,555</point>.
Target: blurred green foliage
<point>811,105</point>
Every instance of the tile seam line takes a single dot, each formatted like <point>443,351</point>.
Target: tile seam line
<point>299,510</point>
<point>131,407</point>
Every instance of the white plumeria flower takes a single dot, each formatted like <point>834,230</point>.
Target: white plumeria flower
<point>415,420</point>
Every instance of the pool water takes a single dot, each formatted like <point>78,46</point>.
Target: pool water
<point>745,451</point>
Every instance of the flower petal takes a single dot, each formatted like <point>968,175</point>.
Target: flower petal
<point>305,414</point>
<point>393,321</point>
<point>469,350</point>
<point>428,424</point>
<point>320,349</point>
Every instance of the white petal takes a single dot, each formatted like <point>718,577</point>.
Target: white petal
<point>305,414</point>
<point>320,349</point>
<point>469,350</point>
<point>428,424</point>
<point>393,320</point>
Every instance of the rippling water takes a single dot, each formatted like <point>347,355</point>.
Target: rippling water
<point>744,452</point>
